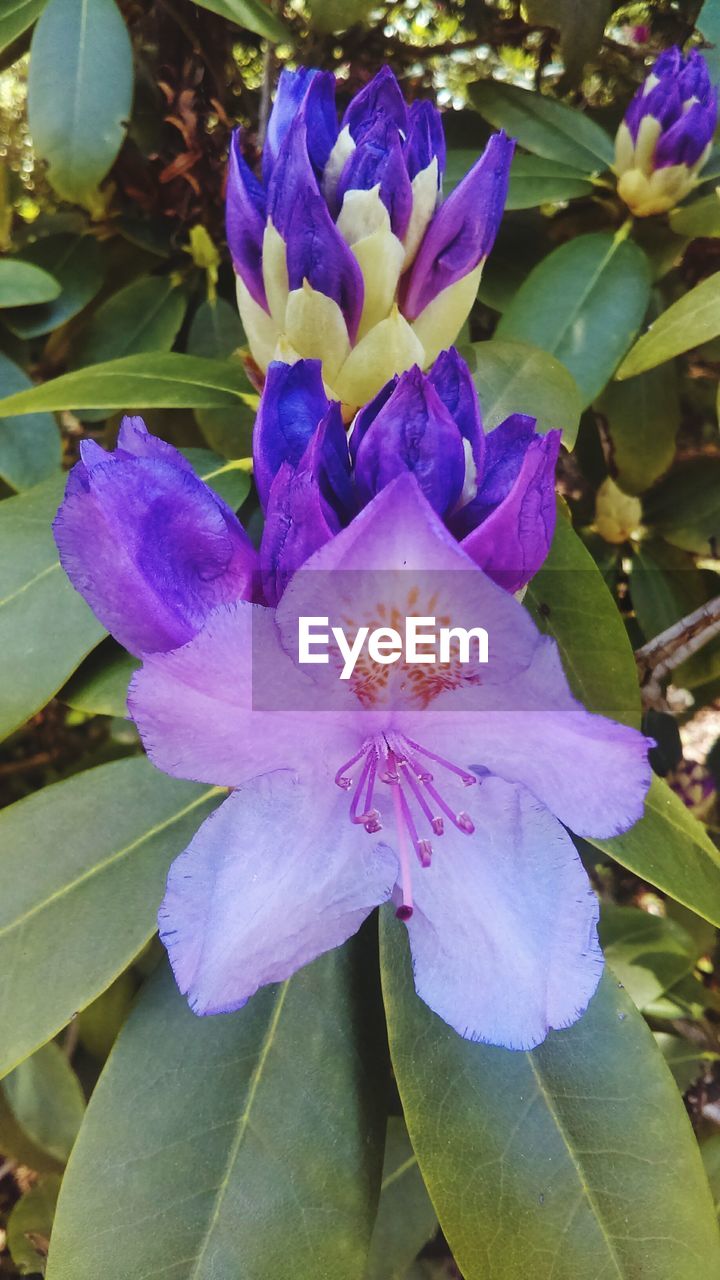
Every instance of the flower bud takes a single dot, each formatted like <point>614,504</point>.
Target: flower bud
<point>345,251</point>
<point>666,135</point>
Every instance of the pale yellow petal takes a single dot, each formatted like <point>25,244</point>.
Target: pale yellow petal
<point>390,347</point>
<point>315,327</point>
<point>340,153</point>
<point>645,144</point>
<point>275,273</point>
<point>439,324</point>
<point>380,258</point>
<point>624,150</point>
<point>260,328</point>
<point>425,198</point>
<point>661,191</point>
<point>362,213</point>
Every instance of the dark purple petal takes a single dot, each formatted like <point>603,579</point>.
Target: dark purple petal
<point>316,251</point>
<point>150,547</point>
<point>413,432</point>
<point>505,450</point>
<point>463,230</point>
<point>662,102</point>
<point>510,908</point>
<point>294,88</point>
<point>245,214</point>
<point>382,95</point>
<point>454,384</point>
<point>367,415</point>
<point>291,407</point>
<point>275,877</point>
<point>328,458</point>
<point>511,543</point>
<point>685,141</point>
<point>298,521</point>
<point>425,139</point>
<point>695,79</point>
<point>379,160</point>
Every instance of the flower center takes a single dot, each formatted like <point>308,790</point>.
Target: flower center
<point>404,766</point>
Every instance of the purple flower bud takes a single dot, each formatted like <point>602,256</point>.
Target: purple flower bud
<point>665,137</point>
<point>345,252</point>
<point>150,547</point>
<point>292,404</point>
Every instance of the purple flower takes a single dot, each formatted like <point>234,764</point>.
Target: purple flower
<point>150,547</point>
<point>445,789</point>
<point>666,135</point>
<point>344,251</point>
<point>495,493</point>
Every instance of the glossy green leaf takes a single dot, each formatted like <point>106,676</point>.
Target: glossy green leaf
<point>46,1099</point>
<point>216,333</point>
<point>513,377</point>
<point>253,15</point>
<point>709,24</point>
<point>80,89</point>
<point>642,417</point>
<point>22,284</point>
<point>77,263</point>
<point>168,380</point>
<point>575,1160</point>
<point>30,1223</point>
<point>685,507</point>
<point>99,1024</point>
<point>533,179</point>
<point>46,628</point>
<point>144,316</point>
<point>692,320</point>
<point>29,445</point>
<point>83,860</point>
<point>99,687</point>
<point>15,17</point>
<point>569,599</point>
<point>671,849</point>
<point>406,1219</point>
<point>647,953</point>
<point>544,126</point>
<point>701,218</point>
<point>684,1058</point>
<point>259,1134</point>
<point>710,1152</point>
<point>583,303</point>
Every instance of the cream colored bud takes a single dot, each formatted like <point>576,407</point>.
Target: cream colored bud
<point>618,515</point>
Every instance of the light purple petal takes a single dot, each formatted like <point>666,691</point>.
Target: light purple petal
<point>275,877</point>
<point>503,934</point>
<point>294,88</point>
<point>463,230</point>
<point>298,522</point>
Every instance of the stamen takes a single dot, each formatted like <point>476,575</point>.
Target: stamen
<point>435,821</point>
<point>423,848</point>
<point>341,777</point>
<point>405,910</point>
<point>460,820</point>
<point>468,779</point>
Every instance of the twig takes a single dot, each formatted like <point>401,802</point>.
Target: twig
<point>8,1166</point>
<point>665,652</point>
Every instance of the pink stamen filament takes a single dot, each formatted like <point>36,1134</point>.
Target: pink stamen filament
<point>405,910</point>
<point>469,779</point>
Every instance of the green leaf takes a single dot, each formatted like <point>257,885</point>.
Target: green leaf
<point>581,28</point>
<point>513,377</point>
<point>29,446</point>
<point>76,262</point>
<point>642,418</point>
<point>216,332</point>
<point>86,861</point>
<point>583,303</point>
<point>544,126</point>
<point>99,687</point>
<point>46,628</point>
<point>406,1219</point>
<point>685,506</point>
<point>167,380</point>
<point>710,1152</point>
<point>230,480</point>
<point>647,953</point>
<point>259,1134</point>
<point>684,1058</point>
<point>22,284</point>
<point>30,1223</point>
<point>80,89</point>
<point>46,1099</point>
<point>533,180</point>
<point>708,23</point>
<point>254,15</point>
<point>701,218</point>
<point>666,585</point>
<point>692,320</point>
<point>144,316</point>
<point>569,599</point>
<point>671,849</point>
<point>576,1159</point>
<point>16,17</point>
<point>337,15</point>
<point>99,1024</point>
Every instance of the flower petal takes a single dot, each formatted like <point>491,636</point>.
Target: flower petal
<point>317,90</point>
<point>292,404</point>
<point>503,934</point>
<point>454,384</point>
<point>245,213</point>
<point>275,877</point>
<point>382,95</point>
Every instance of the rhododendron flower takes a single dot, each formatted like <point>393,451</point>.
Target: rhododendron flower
<point>666,135</point>
<point>344,250</point>
<point>495,492</point>
<point>445,789</point>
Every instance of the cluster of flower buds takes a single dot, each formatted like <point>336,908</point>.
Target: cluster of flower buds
<point>494,492</point>
<point>345,251</point>
<point>665,138</point>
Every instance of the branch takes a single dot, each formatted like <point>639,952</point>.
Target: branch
<point>659,657</point>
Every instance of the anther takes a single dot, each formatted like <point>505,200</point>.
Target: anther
<point>465,823</point>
